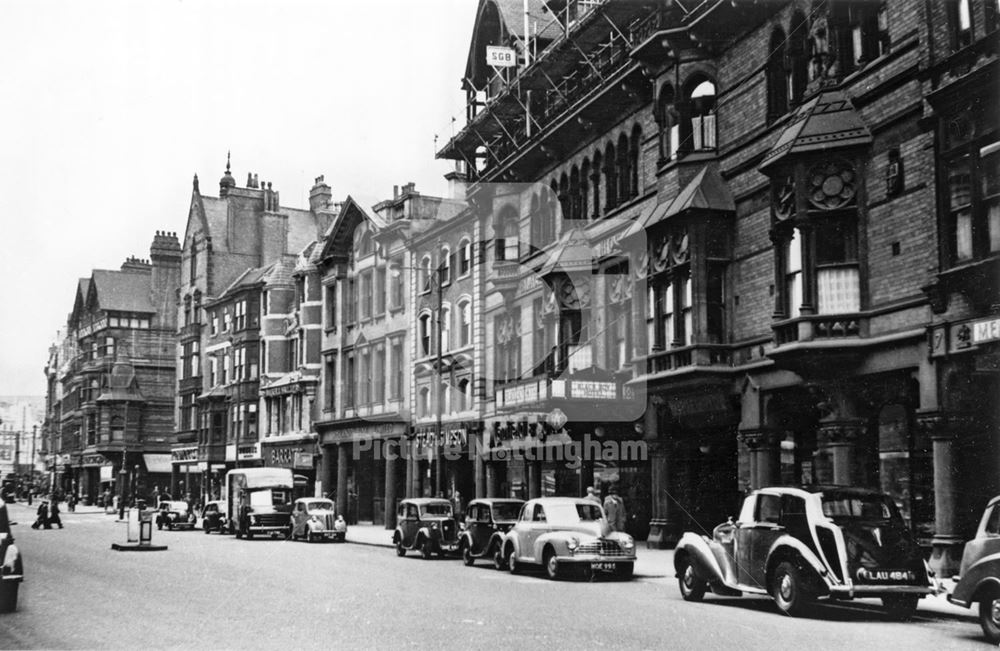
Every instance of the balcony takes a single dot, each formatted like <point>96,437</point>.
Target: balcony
<point>189,332</point>
<point>811,345</point>
<point>689,365</point>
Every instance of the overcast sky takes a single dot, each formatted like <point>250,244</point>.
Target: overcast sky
<point>107,110</point>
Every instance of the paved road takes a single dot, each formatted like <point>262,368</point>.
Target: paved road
<point>219,592</point>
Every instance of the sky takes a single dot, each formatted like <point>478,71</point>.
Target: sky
<point>108,109</point>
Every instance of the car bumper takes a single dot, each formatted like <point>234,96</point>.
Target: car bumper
<point>268,529</point>
<point>595,558</point>
<point>862,591</point>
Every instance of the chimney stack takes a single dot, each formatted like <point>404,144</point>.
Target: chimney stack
<point>321,195</point>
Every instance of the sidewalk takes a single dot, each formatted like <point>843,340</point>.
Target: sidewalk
<point>659,564</point>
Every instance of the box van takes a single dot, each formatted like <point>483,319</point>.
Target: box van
<point>259,501</point>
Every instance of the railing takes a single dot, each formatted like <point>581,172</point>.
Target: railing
<point>678,358</point>
<point>819,327</point>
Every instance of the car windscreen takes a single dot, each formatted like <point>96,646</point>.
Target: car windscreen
<point>841,508</point>
<point>436,510</point>
<point>320,506</point>
<point>572,513</point>
<point>506,511</point>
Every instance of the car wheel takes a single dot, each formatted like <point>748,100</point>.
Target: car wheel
<point>692,588</point>
<point>427,549</point>
<point>788,589</point>
<point>513,566</point>
<point>8,596</point>
<point>159,525</point>
<point>499,562</point>
<point>624,571</point>
<point>467,556</point>
<point>551,563</point>
<point>206,528</point>
<point>310,537</point>
<point>901,607</point>
<point>400,550</point>
<point>170,526</point>
<point>249,535</point>
<point>989,615</point>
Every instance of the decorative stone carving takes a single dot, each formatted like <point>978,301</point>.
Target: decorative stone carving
<point>831,185</point>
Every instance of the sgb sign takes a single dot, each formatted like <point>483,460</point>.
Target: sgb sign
<point>500,57</point>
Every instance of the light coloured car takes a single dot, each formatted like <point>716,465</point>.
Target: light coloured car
<point>979,573</point>
<point>316,518</point>
<point>559,533</point>
<point>11,565</point>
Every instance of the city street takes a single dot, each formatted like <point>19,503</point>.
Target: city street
<point>219,592</point>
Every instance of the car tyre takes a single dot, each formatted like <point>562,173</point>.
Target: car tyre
<point>692,588</point>
<point>624,571</point>
<point>400,550</point>
<point>513,566</point>
<point>989,614</point>
<point>901,607</point>
<point>427,549</point>
<point>467,556</point>
<point>159,525</point>
<point>551,564</point>
<point>8,596</point>
<point>788,589</point>
<point>499,562</point>
<point>206,528</point>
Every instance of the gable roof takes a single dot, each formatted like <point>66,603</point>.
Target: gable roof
<point>337,239</point>
<point>827,121</point>
<point>122,291</point>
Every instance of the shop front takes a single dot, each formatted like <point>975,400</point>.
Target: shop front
<point>186,472</point>
<point>299,455</point>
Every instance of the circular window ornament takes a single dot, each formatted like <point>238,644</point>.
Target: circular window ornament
<point>831,185</point>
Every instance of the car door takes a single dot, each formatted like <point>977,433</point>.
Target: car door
<point>474,525</point>
<point>298,518</point>
<point>411,523</point>
<point>766,529</point>
<point>743,540</point>
<point>538,526</point>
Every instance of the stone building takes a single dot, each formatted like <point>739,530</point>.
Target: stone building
<point>790,310</point>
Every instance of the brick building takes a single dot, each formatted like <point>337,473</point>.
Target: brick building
<point>111,379</point>
<point>790,310</point>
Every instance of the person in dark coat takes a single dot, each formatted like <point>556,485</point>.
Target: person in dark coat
<point>43,516</point>
<point>54,514</point>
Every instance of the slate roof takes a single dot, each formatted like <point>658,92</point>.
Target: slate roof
<point>279,273</point>
<point>827,121</point>
<point>216,214</point>
<point>123,291</point>
<point>706,191</point>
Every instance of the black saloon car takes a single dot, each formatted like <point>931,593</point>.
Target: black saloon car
<point>486,521</point>
<point>11,565</point>
<point>425,524</point>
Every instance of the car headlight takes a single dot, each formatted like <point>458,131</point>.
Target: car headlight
<point>628,542</point>
<point>434,525</point>
<point>253,519</point>
<point>572,543</point>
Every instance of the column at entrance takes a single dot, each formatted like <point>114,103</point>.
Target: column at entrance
<point>391,459</point>
<point>840,438</point>
<point>765,456</point>
<point>663,526</point>
<point>326,471</point>
<point>343,451</point>
<point>491,480</point>
<point>534,479</point>
<point>943,429</point>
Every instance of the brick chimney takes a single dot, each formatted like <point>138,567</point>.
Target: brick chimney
<point>133,263</point>
<point>320,195</point>
<point>165,256</point>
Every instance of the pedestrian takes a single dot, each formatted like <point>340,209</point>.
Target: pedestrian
<point>457,506</point>
<point>614,509</point>
<point>71,503</point>
<point>592,495</point>
<point>43,516</point>
<point>54,514</point>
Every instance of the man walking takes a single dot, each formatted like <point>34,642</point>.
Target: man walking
<point>614,509</point>
<point>592,495</point>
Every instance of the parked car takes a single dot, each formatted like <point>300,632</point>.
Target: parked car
<point>213,517</point>
<point>11,565</point>
<point>979,572</point>
<point>174,513</point>
<point>425,524</point>
<point>562,532</point>
<point>316,518</point>
<point>486,521</point>
<point>798,544</point>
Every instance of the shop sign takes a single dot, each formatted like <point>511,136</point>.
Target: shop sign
<point>499,56</point>
<point>87,330</point>
<point>286,457</point>
<point>985,330</point>
<point>184,454</point>
<point>304,460</point>
<point>593,390</point>
<point>605,247</point>
<point>521,394</point>
<point>249,451</point>
<point>91,460</point>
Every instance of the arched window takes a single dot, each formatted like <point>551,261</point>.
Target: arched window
<point>194,261</point>
<point>507,245</point>
<point>624,169</point>
<point>797,59</point>
<point>464,399</point>
<point>426,271</point>
<point>702,124</point>
<point>465,323</point>
<point>445,265</point>
<point>585,212</point>
<point>634,160</point>
<point>610,177</point>
<point>575,211</point>
<point>464,257</point>
<point>425,335</point>
<point>424,404</point>
<point>445,325</point>
<point>595,183</point>
<point>777,80</point>
<point>564,197</point>
<point>666,117</point>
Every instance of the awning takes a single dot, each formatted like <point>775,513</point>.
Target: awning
<point>157,462</point>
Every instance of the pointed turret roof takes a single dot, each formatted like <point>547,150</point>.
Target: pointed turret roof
<point>827,121</point>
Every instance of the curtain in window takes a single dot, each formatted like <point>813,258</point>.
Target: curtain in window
<point>838,290</point>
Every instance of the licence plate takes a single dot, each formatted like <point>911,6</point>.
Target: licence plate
<point>603,566</point>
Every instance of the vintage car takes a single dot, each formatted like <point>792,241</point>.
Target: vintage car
<point>979,572</point>
<point>425,524</point>
<point>563,532</point>
<point>486,521</point>
<point>213,517</point>
<point>175,513</point>
<point>316,518</point>
<point>11,565</point>
<point>798,544</point>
